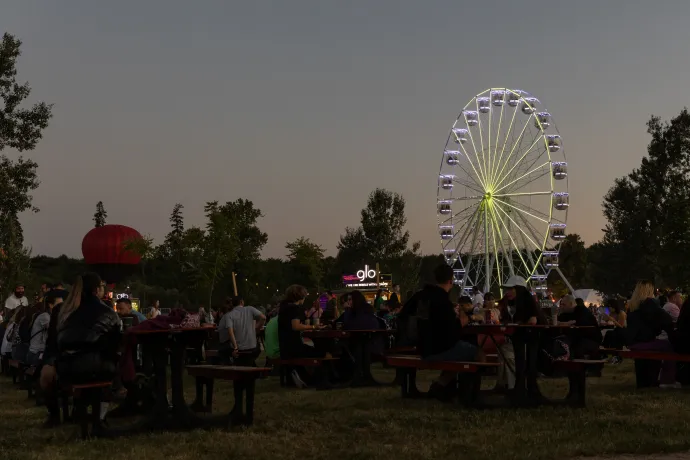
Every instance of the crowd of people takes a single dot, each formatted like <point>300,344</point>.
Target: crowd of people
<point>76,336</point>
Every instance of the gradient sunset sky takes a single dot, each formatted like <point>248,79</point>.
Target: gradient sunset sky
<point>305,107</point>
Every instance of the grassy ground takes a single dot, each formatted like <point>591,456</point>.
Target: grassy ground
<point>377,423</point>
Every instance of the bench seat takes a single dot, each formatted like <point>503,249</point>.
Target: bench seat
<point>468,373</point>
<point>244,381</point>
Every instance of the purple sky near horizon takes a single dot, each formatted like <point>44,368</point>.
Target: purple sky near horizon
<point>304,107</point>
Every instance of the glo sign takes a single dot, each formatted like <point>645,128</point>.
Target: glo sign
<point>366,277</point>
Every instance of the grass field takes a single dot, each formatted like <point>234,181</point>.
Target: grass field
<point>376,423</point>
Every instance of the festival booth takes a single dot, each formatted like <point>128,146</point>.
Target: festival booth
<point>367,281</point>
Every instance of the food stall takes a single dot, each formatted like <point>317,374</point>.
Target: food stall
<point>367,281</point>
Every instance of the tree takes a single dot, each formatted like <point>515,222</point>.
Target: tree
<point>381,235</point>
<point>100,215</point>
<point>306,259</point>
<point>20,129</point>
<point>144,248</point>
<point>647,234</point>
<point>220,245</point>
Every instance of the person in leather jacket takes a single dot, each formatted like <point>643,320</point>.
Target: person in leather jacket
<point>88,334</point>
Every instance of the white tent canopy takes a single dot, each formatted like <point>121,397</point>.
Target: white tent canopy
<point>590,296</point>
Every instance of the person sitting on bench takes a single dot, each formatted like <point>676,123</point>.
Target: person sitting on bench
<point>439,329</point>
<point>237,334</point>
<point>39,329</point>
<point>291,319</point>
<point>88,335</point>
<point>646,321</point>
<point>585,342</point>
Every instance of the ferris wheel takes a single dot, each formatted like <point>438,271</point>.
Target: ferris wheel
<point>502,191</point>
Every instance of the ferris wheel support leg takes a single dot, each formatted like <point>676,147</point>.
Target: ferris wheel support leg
<point>565,280</point>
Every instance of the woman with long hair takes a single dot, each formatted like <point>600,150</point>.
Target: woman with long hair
<point>88,334</point>
<point>361,317</point>
<point>646,321</point>
<point>615,338</point>
<point>314,312</point>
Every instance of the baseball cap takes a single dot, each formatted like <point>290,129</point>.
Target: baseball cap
<point>514,281</point>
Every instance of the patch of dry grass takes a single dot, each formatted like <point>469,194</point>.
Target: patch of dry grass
<point>377,424</point>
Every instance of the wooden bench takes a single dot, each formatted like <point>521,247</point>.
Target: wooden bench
<point>469,375</point>
<point>576,370</point>
<point>85,395</point>
<point>244,380</point>
<point>648,364</point>
<point>285,366</point>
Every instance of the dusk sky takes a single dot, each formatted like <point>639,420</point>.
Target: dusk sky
<point>304,107</point>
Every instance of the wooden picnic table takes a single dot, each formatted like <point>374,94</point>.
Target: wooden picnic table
<point>358,341</point>
<point>156,344</point>
<point>526,340</point>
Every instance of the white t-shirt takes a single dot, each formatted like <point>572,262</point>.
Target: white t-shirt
<point>478,301</point>
<point>13,302</point>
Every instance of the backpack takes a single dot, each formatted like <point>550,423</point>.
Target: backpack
<point>23,331</point>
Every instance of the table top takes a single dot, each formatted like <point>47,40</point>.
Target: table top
<point>509,328</point>
<point>171,330</point>
<point>336,333</point>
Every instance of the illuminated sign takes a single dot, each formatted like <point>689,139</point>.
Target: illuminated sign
<point>367,278</point>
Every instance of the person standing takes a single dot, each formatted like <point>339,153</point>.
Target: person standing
<point>237,332</point>
<point>395,296</point>
<point>477,298</point>
<point>378,300</point>
<point>17,298</point>
<point>155,310</point>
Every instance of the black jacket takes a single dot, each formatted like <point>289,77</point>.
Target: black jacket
<point>583,317</point>
<point>93,327</point>
<point>647,322</point>
<point>438,328</point>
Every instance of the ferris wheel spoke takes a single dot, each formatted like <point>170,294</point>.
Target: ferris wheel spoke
<point>480,173</point>
<point>502,186</point>
<point>519,227</point>
<point>465,198</point>
<point>505,142</point>
<point>496,250</point>
<point>522,210</point>
<point>467,184</point>
<point>522,194</point>
<point>504,177</point>
<point>501,238</point>
<point>532,210</point>
<point>531,180</point>
<point>481,136</point>
<point>534,233</point>
<point>467,225</point>
<point>458,214</point>
<point>517,248</point>
<point>515,145</point>
<point>536,158</point>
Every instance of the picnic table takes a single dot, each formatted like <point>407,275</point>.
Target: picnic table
<point>358,340</point>
<point>525,339</point>
<point>157,345</point>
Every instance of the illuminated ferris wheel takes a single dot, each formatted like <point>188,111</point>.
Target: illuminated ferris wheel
<point>502,191</point>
